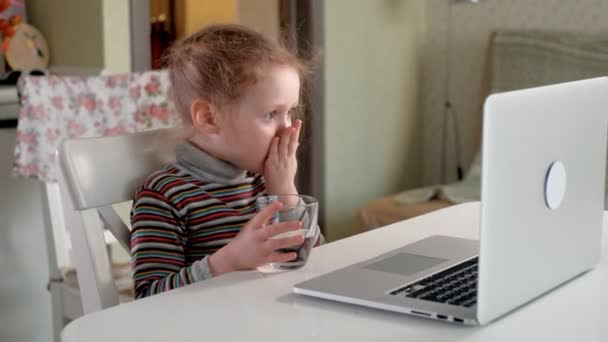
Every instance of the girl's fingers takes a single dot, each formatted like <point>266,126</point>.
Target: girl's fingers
<point>287,242</point>
<point>280,228</point>
<point>295,138</point>
<point>282,257</point>
<point>284,144</point>
<point>274,150</point>
<point>265,215</point>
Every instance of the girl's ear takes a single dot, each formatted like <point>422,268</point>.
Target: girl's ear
<point>204,116</point>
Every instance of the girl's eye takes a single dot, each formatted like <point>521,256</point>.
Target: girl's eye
<point>271,115</point>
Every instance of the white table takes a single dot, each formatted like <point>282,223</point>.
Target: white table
<point>253,306</point>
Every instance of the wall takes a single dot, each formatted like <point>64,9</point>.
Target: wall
<point>261,15</point>
<point>471,26</point>
<point>116,36</point>
<point>373,128</point>
<point>73,30</point>
<point>94,35</point>
<point>191,15</point>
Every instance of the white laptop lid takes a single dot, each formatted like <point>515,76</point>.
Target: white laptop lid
<point>526,247</point>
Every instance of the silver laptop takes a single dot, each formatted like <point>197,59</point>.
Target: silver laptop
<point>543,176</point>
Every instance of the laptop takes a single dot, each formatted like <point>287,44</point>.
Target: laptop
<point>543,176</point>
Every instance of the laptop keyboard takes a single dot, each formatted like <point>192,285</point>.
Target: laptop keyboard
<point>456,285</point>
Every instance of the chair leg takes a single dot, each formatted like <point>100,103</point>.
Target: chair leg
<point>58,318</point>
<point>58,315</point>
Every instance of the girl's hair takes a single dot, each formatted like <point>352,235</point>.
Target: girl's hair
<point>219,62</point>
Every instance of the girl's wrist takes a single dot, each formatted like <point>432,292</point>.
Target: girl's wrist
<point>219,262</point>
<point>285,190</point>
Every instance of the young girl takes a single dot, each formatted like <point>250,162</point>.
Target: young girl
<point>196,219</point>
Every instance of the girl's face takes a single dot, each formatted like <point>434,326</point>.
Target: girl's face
<point>260,114</point>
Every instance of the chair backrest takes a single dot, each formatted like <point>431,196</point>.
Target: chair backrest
<point>518,59</point>
<point>99,172</point>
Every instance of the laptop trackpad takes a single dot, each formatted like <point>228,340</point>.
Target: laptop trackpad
<point>405,264</point>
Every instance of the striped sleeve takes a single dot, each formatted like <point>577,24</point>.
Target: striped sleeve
<point>157,247</point>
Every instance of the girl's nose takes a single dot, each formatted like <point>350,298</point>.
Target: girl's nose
<point>286,122</point>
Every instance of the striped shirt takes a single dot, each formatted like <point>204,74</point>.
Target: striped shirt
<point>179,218</point>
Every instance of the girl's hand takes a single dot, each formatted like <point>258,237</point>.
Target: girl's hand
<point>254,246</point>
<point>281,163</point>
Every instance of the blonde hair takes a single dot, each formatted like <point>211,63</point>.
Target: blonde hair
<point>219,62</point>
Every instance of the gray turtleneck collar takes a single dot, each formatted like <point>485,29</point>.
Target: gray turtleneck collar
<point>206,167</point>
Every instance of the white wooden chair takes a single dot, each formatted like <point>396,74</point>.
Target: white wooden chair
<point>97,173</point>
<point>65,299</point>
<point>57,107</point>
